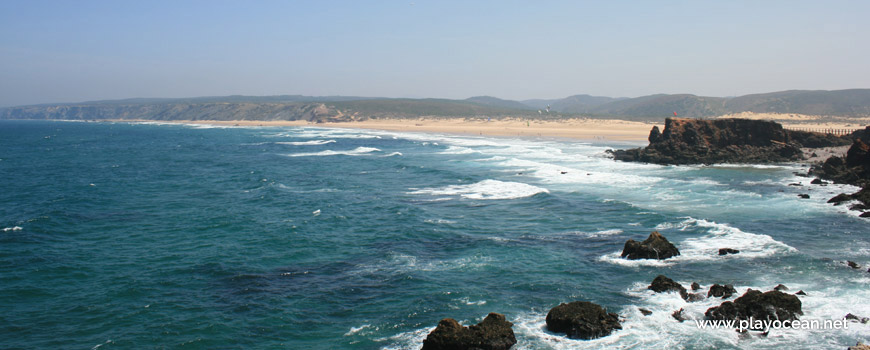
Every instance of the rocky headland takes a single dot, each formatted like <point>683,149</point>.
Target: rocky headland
<point>853,169</point>
<point>695,141</point>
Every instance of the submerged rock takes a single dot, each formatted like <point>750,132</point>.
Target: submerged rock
<point>645,312</point>
<point>696,286</point>
<point>853,264</point>
<point>655,246</point>
<point>726,251</point>
<point>493,333</point>
<point>772,305</point>
<point>720,291</point>
<point>664,284</point>
<point>582,320</point>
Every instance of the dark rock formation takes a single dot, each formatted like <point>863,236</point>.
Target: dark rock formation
<point>772,305</point>
<point>696,286</point>
<point>854,169</point>
<point>663,284</point>
<point>655,246</point>
<point>780,287</point>
<point>582,320</point>
<point>645,312</point>
<point>721,291</point>
<point>800,292</point>
<point>818,182</point>
<point>804,196</point>
<point>693,297</point>
<point>726,251</point>
<point>856,318</point>
<point>693,141</point>
<point>493,333</point>
<point>853,264</point>
<point>678,315</point>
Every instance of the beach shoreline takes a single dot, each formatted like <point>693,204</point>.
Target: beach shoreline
<point>601,130</point>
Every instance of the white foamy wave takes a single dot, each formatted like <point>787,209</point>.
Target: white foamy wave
<point>458,150</point>
<point>403,264</point>
<point>355,330</point>
<point>306,143</point>
<point>439,221</point>
<point>393,154</point>
<point>359,151</point>
<point>486,189</point>
<point>14,228</point>
<point>407,340</point>
<point>706,248</point>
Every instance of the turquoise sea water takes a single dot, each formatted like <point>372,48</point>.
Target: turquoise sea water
<point>137,236</point>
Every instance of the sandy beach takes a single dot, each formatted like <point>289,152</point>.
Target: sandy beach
<point>580,129</point>
<point>600,130</point>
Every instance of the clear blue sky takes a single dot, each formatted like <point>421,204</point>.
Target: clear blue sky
<point>69,51</point>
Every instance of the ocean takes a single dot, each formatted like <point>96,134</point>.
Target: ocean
<point>149,235</point>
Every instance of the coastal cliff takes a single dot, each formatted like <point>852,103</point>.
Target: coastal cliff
<point>694,141</point>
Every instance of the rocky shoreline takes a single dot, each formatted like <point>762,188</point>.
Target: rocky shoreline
<point>745,141</point>
<point>686,141</point>
<point>752,313</point>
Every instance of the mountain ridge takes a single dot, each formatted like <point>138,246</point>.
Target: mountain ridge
<point>838,103</point>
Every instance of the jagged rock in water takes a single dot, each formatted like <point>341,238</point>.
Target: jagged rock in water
<point>664,284</point>
<point>678,315</point>
<point>645,312</point>
<point>859,346</point>
<point>856,318</point>
<point>655,246</point>
<point>780,287</point>
<point>693,141</point>
<point>696,286</point>
<point>772,305</point>
<point>493,333</point>
<point>582,320</point>
<point>721,291</point>
<point>853,264</point>
<point>800,292</point>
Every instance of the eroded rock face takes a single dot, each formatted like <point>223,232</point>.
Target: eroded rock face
<point>493,333</point>
<point>582,320</point>
<point>663,284</point>
<point>655,246</point>
<point>693,141</point>
<point>772,305</point>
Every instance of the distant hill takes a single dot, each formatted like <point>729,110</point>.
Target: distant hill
<point>839,103</point>
<point>853,102</point>
<point>497,102</point>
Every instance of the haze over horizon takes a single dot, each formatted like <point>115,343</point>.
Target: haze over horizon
<point>56,52</point>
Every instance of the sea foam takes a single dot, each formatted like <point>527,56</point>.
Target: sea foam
<point>486,189</point>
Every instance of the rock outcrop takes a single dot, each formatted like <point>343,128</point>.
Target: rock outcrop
<point>582,320</point>
<point>772,305</point>
<point>726,251</point>
<point>693,141</point>
<point>493,333</point>
<point>655,246</point>
<point>853,169</point>
<point>721,291</point>
<point>663,284</point>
